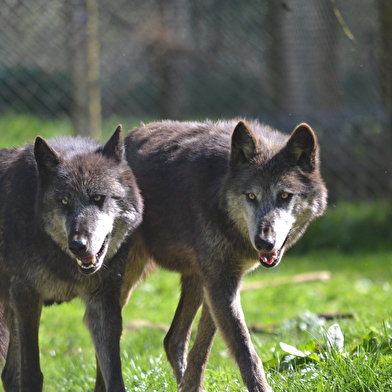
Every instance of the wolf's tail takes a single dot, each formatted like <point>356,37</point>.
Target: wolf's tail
<point>4,337</point>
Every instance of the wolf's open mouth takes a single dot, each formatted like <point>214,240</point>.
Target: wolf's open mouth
<point>91,264</point>
<point>272,259</point>
<point>269,258</point>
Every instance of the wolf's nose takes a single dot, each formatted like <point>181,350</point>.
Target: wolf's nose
<point>78,246</point>
<point>264,244</point>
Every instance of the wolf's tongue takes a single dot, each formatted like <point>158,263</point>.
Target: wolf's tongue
<point>268,258</point>
<point>88,260</point>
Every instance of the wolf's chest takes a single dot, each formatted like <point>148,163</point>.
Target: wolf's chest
<point>62,288</point>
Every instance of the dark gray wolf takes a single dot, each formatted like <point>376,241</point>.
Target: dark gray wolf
<point>220,199</point>
<point>68,209</point>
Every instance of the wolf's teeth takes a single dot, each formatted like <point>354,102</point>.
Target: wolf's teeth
<point>87,266</point>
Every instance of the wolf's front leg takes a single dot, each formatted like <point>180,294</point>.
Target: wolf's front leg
<point>23,352</point>
<point>103,318</point>
<point>224,302</point>
<point>10,374</point>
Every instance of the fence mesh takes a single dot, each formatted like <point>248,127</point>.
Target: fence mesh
<point>283,62</point>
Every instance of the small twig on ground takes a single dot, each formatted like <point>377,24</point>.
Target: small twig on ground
<point>298,278</point>
<point>137,324</point>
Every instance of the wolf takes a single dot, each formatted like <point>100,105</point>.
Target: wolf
<point>220,199</point>
<point>69,207</point>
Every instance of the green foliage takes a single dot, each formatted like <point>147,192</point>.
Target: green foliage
<point>21,129</point>
<point>374,347</point>
<point>349,227</point>
<point>16,130</point>
<point>335,367</point>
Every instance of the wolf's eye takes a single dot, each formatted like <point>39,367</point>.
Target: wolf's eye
<point>64,201</point>
<point>284,195</point>
<point>98,199</point>
<point>251,196</point>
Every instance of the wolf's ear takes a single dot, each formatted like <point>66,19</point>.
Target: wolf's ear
<point>114,148</point>
<point>243,143</point>
<point>303,146</point>
<point>45,156</point>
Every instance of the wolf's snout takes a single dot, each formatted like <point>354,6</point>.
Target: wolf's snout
<point>78,246</point>
<point>264,244</point>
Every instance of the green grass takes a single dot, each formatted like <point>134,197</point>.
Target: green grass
<point>352,242</point>
<point>21,129</point>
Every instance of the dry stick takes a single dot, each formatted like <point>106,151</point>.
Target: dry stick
<point>137,324</point>
<point>298,278</point>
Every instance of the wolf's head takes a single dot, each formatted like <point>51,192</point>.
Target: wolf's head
<point>274,188</point>
<point>88,200</point>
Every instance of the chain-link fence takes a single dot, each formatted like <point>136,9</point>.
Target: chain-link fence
<point>283,62</point>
